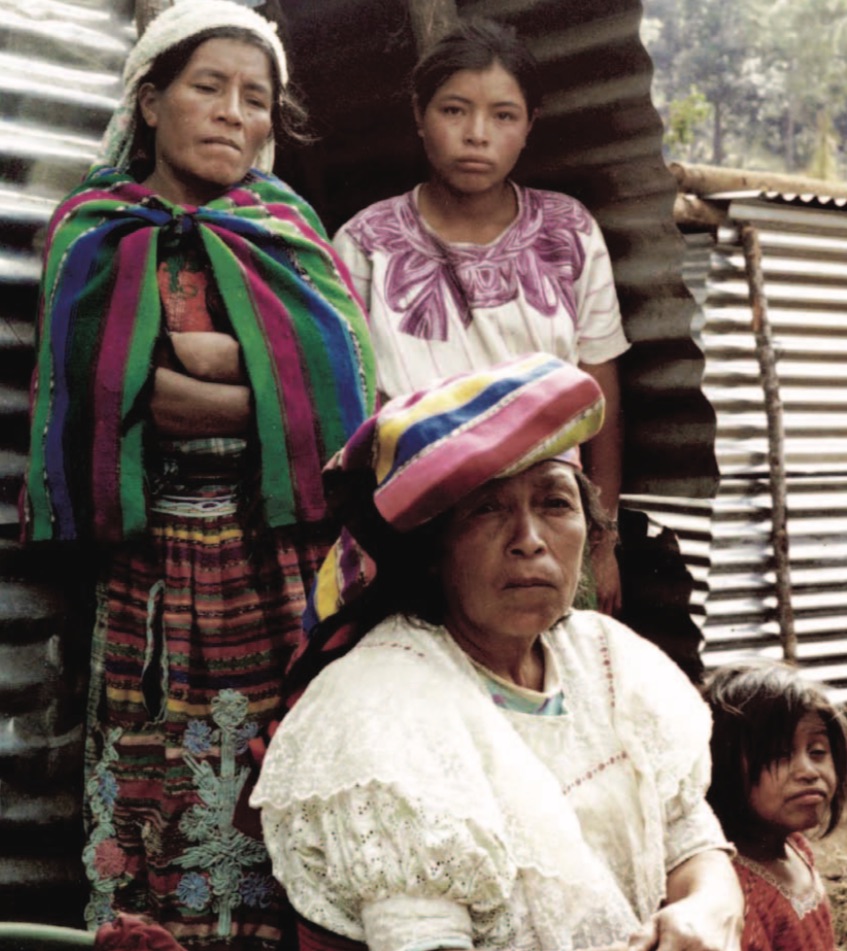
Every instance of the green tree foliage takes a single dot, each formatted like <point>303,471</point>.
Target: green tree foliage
<point>773,74</point>
<point>686,119</point>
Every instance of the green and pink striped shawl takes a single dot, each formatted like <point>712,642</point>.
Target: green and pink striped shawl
<point>292,307</point>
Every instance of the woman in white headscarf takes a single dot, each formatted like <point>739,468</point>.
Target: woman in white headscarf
<point>200,357</point>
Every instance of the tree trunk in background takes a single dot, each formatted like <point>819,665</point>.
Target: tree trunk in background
<point>788,138</point>
<point>717,135</point>
<point>767,359</point>
<point>431,19</point>
<point>147,10</point>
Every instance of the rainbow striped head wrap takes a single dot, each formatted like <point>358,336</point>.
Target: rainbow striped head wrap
<point>422,453</point>
<point>429,449</point>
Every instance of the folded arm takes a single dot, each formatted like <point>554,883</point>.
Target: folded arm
<point>186,407</point>
<point>209,356</point>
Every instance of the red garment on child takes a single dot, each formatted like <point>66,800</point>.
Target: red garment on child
<point>776,920</point>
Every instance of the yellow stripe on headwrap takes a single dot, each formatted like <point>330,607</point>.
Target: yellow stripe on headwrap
<point>394,423</point>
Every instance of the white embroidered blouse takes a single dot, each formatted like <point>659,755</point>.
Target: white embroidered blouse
<point>439,308</point>
<point>403,808</point>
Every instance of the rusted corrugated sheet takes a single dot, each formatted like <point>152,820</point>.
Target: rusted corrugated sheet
<point>727,539</point>
<point>59,64</point>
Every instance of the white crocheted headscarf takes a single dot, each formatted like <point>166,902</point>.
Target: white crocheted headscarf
<point>175,24</point>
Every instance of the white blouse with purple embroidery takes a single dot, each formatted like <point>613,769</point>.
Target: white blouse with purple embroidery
<point>440,308</point>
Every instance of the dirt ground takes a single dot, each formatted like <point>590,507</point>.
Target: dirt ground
<point>831,858</point>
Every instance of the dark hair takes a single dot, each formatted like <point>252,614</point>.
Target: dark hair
<point>477,44</point>
<point>756,707</point>
<point>287,115</point>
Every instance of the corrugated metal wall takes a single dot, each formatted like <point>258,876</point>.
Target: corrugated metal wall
<point>727,539</point>
<point>59,64</point>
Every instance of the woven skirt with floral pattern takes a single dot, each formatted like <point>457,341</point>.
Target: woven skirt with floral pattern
<point>194,629</point>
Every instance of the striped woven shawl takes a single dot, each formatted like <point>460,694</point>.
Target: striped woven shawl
<point>292,308</point>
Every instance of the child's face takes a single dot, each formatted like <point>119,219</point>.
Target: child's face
<point>474,128</point>
<point>792,794</point>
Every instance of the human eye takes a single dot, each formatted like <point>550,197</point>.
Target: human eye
<point>556,495</point>
<point>484,507</point>
<point>507,115</point>
<point>256,96</point>
<point>451,109</point>
<point>819,750</point>
<point>557,502</point>
<point>480,504</point>
<point>778,765</point>
<point>785,755</point>
<point>205,83</point>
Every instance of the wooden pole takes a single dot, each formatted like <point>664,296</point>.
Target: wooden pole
<point>776,439</point>
<point>705,180</point>
<point>689,211</point>
<point>431,19</point>
<point>147,10</point>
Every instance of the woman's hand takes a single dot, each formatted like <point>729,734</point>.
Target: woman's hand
<point>187,408</point>
<point>209,356</point>
<point>683,927</point>
<point>705,910</point>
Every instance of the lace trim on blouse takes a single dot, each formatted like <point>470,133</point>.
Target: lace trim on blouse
<point>803,902</point>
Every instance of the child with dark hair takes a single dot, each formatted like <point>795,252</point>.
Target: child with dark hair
<point>471,268</point>
<point>779,769</point>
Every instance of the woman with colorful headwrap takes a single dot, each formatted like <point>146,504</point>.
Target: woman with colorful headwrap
<point>200,356</point>
<point>486,767</point>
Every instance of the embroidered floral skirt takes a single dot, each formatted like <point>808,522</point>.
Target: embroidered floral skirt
<point>193,632</point>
